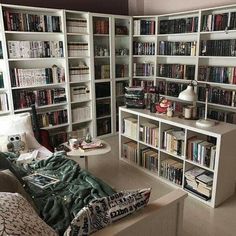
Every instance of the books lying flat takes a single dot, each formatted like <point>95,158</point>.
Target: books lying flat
<point>96,143</point>
<point>41,181</point>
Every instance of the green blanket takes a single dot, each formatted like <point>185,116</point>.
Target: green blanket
<point>59,203</point>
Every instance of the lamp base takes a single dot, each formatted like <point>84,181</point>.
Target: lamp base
<point>202,123</point>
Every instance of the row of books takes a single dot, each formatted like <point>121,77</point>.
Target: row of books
<point>183,25</point>
<point>130,151</point>
<point>101,26</point>
<point>122,70</point>
<point>177,71</point>
<point>215,22</point>
<point>173,141</point>
<point>225,47</point>
<point>143,69</point>
<point>143,48</point>
<point>199,182</point>
<point>1,80</point>
<point>149,159</point>
<point>177,48</point>
<point>24,99</point>
<point>149,133</point>
<point>18,21</point>
<point>102,71</point>
<point>224,116</point>
<point>80,114</point>
<point>76,25</point>
<point>103,108</point>
<point>145,84</point>
<point>79,72</point>
<point>103,126</point>
<point>130,127</point>
<point>37,76</point>
<point>144,27</point>
<point>58,138</point>
<point>102,90</point>
<point>218,96</point>
<point>77,49</point>
<point>120,88</point>
<point>169,88</point>
<point>218,74</point>
<point>35,49</point>
<point>172,170</point>
<point>3,102</point>
<point>53,118</point>
<point>80,93</point>
<point>201,152</point>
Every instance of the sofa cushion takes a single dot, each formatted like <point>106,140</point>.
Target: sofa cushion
<point>9,183</point>
<point>17,217</point>
<point>106,210</point>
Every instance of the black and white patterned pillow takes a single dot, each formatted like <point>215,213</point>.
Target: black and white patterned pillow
<point>106,210</point>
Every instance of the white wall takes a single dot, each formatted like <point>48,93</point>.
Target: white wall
<point>150,7</point>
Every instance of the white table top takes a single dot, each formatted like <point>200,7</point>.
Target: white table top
<point>93,152</point>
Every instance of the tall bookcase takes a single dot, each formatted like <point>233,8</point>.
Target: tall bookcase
<point>112,68</point>
<point>189,45</point>
<point>162,147</point>
<point>79,56</point>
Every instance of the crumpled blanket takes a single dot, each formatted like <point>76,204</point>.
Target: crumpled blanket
<point>60,202</point>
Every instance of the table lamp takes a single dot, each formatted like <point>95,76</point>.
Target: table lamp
<point>189,95</point>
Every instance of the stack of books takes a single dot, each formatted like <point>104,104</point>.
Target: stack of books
<point>199,182</point>
<point>95,143</point>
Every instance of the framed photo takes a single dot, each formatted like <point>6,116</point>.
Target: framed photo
<point>41,181</point>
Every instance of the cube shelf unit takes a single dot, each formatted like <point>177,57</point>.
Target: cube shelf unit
<point>160,150</point>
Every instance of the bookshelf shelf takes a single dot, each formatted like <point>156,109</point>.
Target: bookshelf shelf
<point>177,34</point>
<point>34,33</point>
<point>101,35</point>
<point>40,86</point>
<point>36,59</point>
<point>220,139</point>
<point>77,34</point>
<point>103,117</point>
<point>80,101</point>
<point>81,121</point>
<point>42,107</point>
<point>108,80</point>
<point>55,126</point>
<point>82,57</point>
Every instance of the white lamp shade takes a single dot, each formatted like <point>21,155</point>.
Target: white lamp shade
<point>188,94</point>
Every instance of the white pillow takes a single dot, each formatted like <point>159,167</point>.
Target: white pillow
<point>19,123</point>
<point>13,143</point>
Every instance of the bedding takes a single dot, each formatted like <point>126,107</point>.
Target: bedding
<point>59,203</point>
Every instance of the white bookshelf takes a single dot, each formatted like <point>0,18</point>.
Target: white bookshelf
<point>223,134</point>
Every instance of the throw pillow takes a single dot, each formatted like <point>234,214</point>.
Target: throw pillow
<point>106,210</point>
<point>17,217</point>
<point>19,123</point>
<point>14,143</point>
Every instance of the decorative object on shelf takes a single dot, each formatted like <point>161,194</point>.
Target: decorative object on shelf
<point>189,95</point>
<point>170,111</point>
<point>162,105</point>
<point>205,123</point>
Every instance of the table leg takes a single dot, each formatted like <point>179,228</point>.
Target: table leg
<point>86,162</point>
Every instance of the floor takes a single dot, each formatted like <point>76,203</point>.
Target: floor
<point>199,219</point>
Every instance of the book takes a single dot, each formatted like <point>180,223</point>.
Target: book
<point>27,157</point>
<point>41,181</point>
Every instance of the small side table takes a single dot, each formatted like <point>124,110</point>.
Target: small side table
<point>93,152</point>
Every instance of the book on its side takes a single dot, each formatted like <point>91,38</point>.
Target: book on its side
<point>41,181</point>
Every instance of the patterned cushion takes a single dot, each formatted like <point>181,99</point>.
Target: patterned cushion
<point>17,217</point>
<point>106,210</point>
